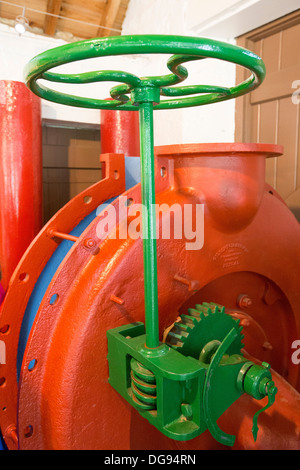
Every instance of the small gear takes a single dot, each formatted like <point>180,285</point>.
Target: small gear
<point>202,330</point>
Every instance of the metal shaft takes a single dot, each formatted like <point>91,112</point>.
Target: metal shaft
<point>149,224</point>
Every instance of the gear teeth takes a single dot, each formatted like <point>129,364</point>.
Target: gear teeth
<point>210,314</point>
<point>207,304</point>
<point>183,329</point>
<point>205,308</point>
<point>181,326</point>
<point>174,340</point>
<point>202,311</point>
<point>216,308</point>
<point>202,315</point>
<point>189,320</point>
<point>178,334</point>
<point>193,312</point>
<point>210,308</point>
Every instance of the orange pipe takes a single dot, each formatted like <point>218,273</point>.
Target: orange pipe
<point>120,132</point>
<point>20,173</point>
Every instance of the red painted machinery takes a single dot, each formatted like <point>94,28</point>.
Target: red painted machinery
<point>2,294</point>
<point>80,284</point>
<point>20,173</point>
<point>120,132</point>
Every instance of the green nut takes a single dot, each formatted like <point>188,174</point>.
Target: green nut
<point>145,95</point>
<point>256,379</point>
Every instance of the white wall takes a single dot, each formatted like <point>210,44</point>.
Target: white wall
<point>211,123</point>
<point>218,19</point>
<point>16,51</point>
<point>221,19</point>
<point>232,18</point>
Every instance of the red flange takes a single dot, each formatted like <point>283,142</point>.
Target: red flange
<point>28,271</point>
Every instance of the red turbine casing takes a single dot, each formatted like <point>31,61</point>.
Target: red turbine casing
<point>120,132</point>
<point>249,262</point>
<point>20,173</point>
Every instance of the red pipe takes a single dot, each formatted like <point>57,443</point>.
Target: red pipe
<point>120,132</point>
<point>20,173</point>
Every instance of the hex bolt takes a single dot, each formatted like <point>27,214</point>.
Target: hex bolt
<point>267,346</point>
<point>244,301</point>
<point>91,245</point>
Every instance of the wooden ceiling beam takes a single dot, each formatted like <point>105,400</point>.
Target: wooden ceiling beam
<point>109,16</point>
<point>53,7</point>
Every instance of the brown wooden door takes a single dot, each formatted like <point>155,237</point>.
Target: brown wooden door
<point>271,114</point>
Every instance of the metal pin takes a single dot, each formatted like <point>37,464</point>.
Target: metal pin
<point>117,300</point>
<point>192,285</point>
<point>65,236</point>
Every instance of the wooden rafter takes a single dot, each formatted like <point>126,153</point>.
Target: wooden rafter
<point>53,7</point>
<point>84,19</point>
<point>109,16</point>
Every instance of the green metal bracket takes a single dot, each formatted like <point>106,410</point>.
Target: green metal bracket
<point>169,389</point>
<point>181,396</point>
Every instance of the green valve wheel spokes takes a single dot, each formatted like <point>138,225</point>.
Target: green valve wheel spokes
<point>184,49</point>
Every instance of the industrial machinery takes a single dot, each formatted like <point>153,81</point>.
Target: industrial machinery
<point>21,164</point>
<point>157,331</point>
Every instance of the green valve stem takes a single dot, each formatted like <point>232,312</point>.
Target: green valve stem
<point>145,104</point>
<point>257,381</point>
